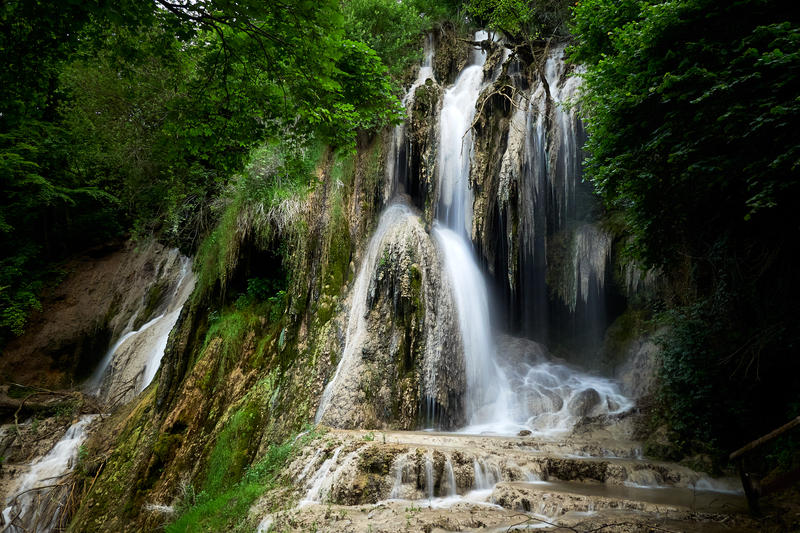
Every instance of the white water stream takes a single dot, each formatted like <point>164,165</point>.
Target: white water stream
<point>126,369</point>
<point>131,363</point>
<point>503,398</point>
<point>487,397</point>
<point>397,164</point>
<point>357,323</point>
<point>36,501</point>
<point>455,144</point>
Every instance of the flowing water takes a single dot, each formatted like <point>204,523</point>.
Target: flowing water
<point>506,390</point>
<point>357,323</point>
<point>486,392</point>
<point>556,209</point>
<point>505,398</point>
<point>38,496</point>
<point>516,454</point>
<point>455,145</point>
<point>131,363</point>
<point>397,163</point>
<point>127,369</point>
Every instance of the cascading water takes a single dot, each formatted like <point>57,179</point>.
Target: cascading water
<point>131,363</point>
<point>502,396</point>
<point>38,497</point>
<point>555,213</point>
<point>502,392</point>
<point>357,324</point>
<point>487,397</point>
<point>455,145</point>
<point>487,391</point>
<point>397,167</point>
<point>127,368</point>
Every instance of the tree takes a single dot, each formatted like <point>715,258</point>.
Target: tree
<point>692,113</point>
<point>133,115</point>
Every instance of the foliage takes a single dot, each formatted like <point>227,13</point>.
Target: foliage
<point>259,204</point>
<point>364,100</point>
<point>132,116</point>
<point>522,21</point>
<point>226,509</point>
<point>692,130</point>
<point>392,29</point>
<point>692,113</point>
<point>596,22</point>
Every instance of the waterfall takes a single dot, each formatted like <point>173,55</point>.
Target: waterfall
<point>487,392</point>
<point>357,323</point>
<point>555,211</point>
<point>38,499</point>
<point>506,386</point>
<point>397,166</point>
<point>455,145</point>
<point>131,363</point>
<point>505,392</point>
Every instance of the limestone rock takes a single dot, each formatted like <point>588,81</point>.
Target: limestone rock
<point>584,402</point>
<point>409,348</point>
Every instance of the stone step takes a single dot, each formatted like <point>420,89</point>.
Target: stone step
<point>517,507</point>
<point>551,498</point>
<point>365,467</point>
<point>426,481</point>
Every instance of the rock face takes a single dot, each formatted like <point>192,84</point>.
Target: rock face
<point>637,373</point>
<point>421,160</point>
<point>404,351</point>
<point>535,220</point>
<point>105,292</point>
<point>131,363</point>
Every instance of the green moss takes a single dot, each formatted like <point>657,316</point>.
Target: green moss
<point>378,459</point>
<point>226,509</point>
<point>373,172</point>
<point>233,448</point>
<point>628,326</point>
<point>113,498</point>
<point>232,327</point>
<point>154,297</point>
<point>225,501</point>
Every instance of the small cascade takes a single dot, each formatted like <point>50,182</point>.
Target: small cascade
<point>481,482</point>
<point>392,216</point>
<point>125,370</point>
<point>429,479</point>
<point>486,475</point>
<point>320,483</point>
<point>179,297</point>
<point>309,465</point>
<point>452,488</point>
<point>399,467</point>
<point>132,362</point>
<point>38,499</point>
<point>398,167</point>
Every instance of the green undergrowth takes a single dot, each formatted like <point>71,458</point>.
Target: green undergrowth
<point>263,204</point>
<point>225,501</point>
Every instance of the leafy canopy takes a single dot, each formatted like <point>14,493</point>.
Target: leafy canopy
<point>692,111</point>
<point>120,116</point>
